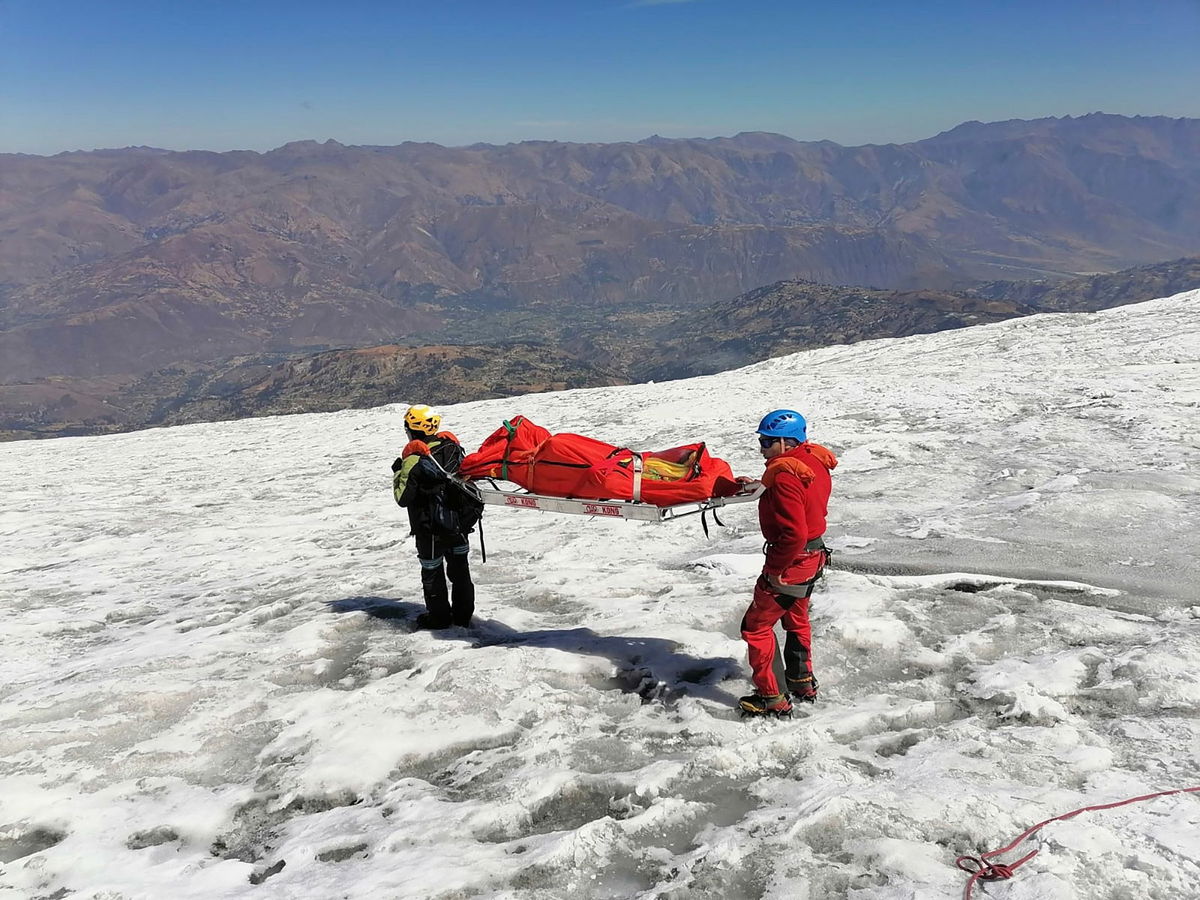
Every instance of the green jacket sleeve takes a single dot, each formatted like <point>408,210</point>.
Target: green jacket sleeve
<point>403,483</point>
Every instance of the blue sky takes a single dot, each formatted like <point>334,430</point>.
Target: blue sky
<point>254,74</point>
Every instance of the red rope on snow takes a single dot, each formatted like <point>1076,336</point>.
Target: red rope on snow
<point>983,870</point>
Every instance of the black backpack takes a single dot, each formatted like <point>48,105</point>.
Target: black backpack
<point>456,506</point>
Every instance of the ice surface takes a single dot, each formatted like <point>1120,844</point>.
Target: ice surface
<point>211,687</point>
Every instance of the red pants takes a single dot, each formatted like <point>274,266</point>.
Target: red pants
<point>758,631</point>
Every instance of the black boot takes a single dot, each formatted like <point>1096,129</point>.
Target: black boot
<point>427,621</point>
<point>462,592</point>
<point>433,585</point>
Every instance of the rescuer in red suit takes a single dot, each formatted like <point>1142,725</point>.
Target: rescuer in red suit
<point>791,514</point>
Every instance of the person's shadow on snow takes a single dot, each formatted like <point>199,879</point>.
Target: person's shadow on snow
<point>650,667</point>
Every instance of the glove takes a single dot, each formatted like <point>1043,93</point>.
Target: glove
<point>397,463</point>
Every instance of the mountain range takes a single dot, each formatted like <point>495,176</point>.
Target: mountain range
<point>118,265</point>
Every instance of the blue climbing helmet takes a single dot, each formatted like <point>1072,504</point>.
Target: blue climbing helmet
<point>784,423</point>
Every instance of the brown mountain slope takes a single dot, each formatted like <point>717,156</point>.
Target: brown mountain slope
<point>791,316</point>
<point>119,261</point>
<point>625,344</point>
<point>115,264</point>
<point>1099,291</point>
<point>349,379</point>
<point>324,382</point>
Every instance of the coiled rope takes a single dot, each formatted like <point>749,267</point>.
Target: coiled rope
<point>981,869</point>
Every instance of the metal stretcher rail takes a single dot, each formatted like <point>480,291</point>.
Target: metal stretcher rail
<point>617,509</point>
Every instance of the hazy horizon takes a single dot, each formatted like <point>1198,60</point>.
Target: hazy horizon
<point>713,137</point>
<point>78,76</point>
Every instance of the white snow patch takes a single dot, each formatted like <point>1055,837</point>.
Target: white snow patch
<point>208,667</point>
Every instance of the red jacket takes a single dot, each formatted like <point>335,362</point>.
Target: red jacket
<point>792,511</point>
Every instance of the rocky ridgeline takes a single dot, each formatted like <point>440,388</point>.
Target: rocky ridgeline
<point>200,268</point>
<point>623,347</point>
<point>1098,291</point>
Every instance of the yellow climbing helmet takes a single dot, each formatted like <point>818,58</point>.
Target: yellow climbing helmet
<point>423,419</point>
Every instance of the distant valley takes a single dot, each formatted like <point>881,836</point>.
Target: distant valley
<point>144,287</point>
<point>620,348</point>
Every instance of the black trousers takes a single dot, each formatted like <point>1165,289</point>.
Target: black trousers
<point>442,557</point>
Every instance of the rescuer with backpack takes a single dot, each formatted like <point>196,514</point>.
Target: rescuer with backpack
<point>442,511</point>
<point>791,514</point>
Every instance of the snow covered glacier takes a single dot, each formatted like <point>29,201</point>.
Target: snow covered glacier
<point>210,685</point>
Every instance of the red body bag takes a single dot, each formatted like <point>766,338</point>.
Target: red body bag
<point>578,467</point>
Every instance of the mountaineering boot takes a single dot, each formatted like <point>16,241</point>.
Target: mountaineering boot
<point>437,599</point>
<point>462,589</point>
<point>429,621</point>
<point>758,705</point>
<point>803,689</point>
